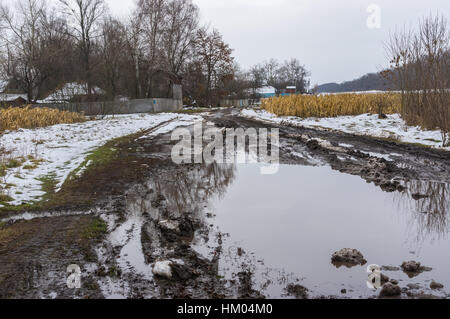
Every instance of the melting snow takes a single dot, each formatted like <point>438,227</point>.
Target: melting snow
<point>365,124</point>
<point>63,148</point>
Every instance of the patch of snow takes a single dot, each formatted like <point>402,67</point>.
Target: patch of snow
<point>70,90</point>
<point>345,145</point>
<point>181,121</point>
<point>266,90</point>
<point>366,124</point>
<point>8,97</point>
<point>128,236</point>
<point>53,295</point>
<point>357,92</point>
<point>64,147</point>
<point>30,216</point>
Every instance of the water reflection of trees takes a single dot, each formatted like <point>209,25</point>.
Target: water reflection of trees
<point>187,188</point>
<point>429,204</point>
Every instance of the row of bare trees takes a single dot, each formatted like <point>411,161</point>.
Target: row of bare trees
<point>420,60</point>
<point>279,75</point>
<point>160,43</point>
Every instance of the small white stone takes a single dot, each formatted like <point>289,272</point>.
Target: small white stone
<point>163,269</point>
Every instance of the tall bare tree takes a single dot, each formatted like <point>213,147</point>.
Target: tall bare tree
<point>153,14</point>
<point>27,45</point>
<point>85,16</point>
<point>294,74</point>
<point>135,50</point>
<point>420,60</point>
<point>112,48</point>
<point>182,20</point>
<point>215,58</point>
<point>58,61</point>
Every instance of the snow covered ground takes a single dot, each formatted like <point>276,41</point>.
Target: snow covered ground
<point>365,124</point>
<point>60,149</point>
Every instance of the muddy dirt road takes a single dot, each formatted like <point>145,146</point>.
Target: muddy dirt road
<point>143,227</point>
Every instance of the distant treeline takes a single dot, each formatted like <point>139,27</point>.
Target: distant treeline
<point>368,82</point>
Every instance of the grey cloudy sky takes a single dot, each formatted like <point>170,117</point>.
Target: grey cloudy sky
<point>330,37</point>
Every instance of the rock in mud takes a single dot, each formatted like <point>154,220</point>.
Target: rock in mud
<point>419,196</point>
<point>186,228</point>
<point>246,290</point>
<point>297,291</point>
<point>391,186</point>
<point>435,285</point>
<point>348,257</point>
<point>182,272</point>
<point>390,268</point>
<point>313,144</point>
<point>413,286</point>
<point>169,225</point>
<point>390,290</point>
<point>413,268</point>
<point>163,269</point>
<point>384,279</point>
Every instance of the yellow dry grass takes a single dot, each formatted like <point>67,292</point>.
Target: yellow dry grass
<point>333,105</point>
<point>14,118</point>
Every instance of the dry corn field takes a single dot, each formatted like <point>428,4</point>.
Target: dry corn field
<point>14,118</point>
<point>333,105</point>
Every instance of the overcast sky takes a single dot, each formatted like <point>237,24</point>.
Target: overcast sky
<point>330,37</point>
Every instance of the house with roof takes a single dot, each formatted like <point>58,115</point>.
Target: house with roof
<point>72,91</point>
<point>289,90</point>
<point>266,92</point>
<point>11,98</point>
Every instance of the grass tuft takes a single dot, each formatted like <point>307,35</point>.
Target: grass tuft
<point>333,105</point>
<point>14,118</point>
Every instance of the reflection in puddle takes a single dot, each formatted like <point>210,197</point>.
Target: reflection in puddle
<point>429,206</point>
<point>283,228</point>
<point>160,219</point>
<point>295,220</point>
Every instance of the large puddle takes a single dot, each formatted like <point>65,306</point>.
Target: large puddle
<point>285,227</point>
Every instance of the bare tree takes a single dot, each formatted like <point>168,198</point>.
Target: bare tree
<point>398,51</point>
<point>277,75</point>
<point>58,61</point>
<point>295,74</point>
<point>256,77</point>
<point>22,41</point>
<point>152,13</point>
<point>271,73</point>
<point>421,62</point>
<point>85,16</point>
<point>112,49</point>
<point>215,58</point>
<point>135,49</point>
<point>182,20</point>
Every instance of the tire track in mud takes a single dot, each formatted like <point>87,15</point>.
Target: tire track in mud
<point>387,164</point>
<point>52,271</point>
